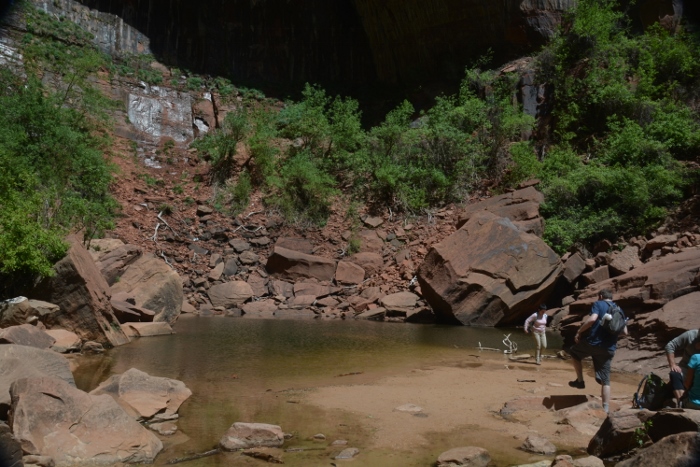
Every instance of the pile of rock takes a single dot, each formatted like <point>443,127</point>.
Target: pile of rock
<point>46,420</point>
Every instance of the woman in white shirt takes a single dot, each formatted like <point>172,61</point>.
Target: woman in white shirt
<point>538,324</point>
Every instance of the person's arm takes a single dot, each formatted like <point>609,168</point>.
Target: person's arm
<point>529,321</point>
<point>675,344</point>
<point>671,357</point>
<point>590,320</point>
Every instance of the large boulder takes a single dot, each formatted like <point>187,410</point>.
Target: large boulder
<point>522,207</point>
<point>667,423</point>
<point>113,264</point>
<point>20,310</point>
<point>153,285</point>
<point>26,334</point>
<point>488,273</point>
<point>147,395</point>
<point>293,265</point>
<point>617,433</point>
<point>20,361</point>
<point>681,450</point>
<point>230,294</point>
<point>82,295</point>
<point>52,418</point>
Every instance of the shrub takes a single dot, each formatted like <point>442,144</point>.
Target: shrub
<point>302,190</point>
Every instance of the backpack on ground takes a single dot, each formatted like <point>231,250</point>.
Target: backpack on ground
<point>617,321</point>
<point>651,393</point>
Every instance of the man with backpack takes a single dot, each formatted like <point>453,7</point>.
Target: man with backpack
<point>689,344</point>
<point>606,323</point>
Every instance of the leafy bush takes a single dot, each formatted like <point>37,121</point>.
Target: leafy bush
<point>302,190</point>
<point>54,178</point>
<point>619,126</point>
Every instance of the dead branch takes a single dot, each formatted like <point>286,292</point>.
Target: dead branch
<point>247,229</point>
<point>155,234</point>
<point>168,225</point>
<point>166,260</point>
<point>254,212</point>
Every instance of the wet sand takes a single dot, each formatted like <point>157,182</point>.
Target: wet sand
<point>460,402</point>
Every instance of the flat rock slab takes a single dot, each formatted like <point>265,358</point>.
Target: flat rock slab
<point>66,341</point>
<point>159,328</point>
<point>148,395</point>
<point>249,435</point>
<point>26,334</point>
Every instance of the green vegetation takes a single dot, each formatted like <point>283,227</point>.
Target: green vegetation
<point>610,160</point>
<point>54,178</point>
<point>620,126</point>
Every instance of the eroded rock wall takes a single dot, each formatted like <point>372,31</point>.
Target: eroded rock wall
<point>353,42</point>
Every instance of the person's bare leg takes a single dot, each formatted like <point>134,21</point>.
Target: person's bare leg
<point>578,366</point>
<point>605,395</point>
<point>677,396</point>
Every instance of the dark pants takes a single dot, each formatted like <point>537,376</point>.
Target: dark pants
<point>602,358</point>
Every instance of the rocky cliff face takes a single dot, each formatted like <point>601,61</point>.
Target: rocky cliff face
<point>348,42</point>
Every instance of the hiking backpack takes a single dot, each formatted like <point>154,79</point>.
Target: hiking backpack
<point>617,322</point>
<point>654,394</point>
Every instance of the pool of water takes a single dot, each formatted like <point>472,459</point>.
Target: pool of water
<point>258,370</point>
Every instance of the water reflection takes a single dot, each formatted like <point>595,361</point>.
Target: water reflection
<point>249,370</point>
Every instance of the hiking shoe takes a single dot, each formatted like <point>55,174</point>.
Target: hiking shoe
<point>577,384</point>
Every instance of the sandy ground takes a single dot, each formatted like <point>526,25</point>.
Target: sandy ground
<point>460,405</point>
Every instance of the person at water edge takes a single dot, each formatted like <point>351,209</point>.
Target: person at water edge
<point>538,323</point>
<point>598,344</point>
<point>689,344</point>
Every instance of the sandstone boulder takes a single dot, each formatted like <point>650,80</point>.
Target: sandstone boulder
<point>147,395</point>
<point>667,423</point>
<point>100,247</point>
<point>522,207</point>
<point>538,445</point>
<point>158,328</point>
<point>261,308</point>
<point>127,312</point>
<point>154,286</point>
<point>371,262</point>
<point>248,435</point>
<point>293,265</point>
<point>65,341</point>
<point>26,334</point>
<point>681,450</point>
<point>20,310</point>
<point>52,418</point>
<point>471,456</point>
<point>488,273</point>
<point>348,272</point>
<point>113,264</point>
<point>302,245</point>
<point>616,434</point>
<point>230,294</point>
<point>82,295</point>
<point>19,361</point>
<point>624,261</point>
